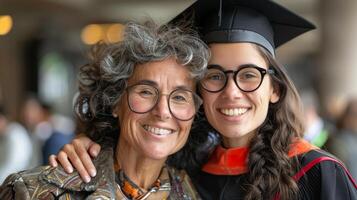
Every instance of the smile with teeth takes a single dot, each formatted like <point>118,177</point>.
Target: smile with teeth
<point>157,131</point>
<point>233,111</point>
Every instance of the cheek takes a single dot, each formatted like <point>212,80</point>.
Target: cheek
<point>123,109</point>
<point>126,117</point>
<point>129,123</point>
<point>264,104</point>
<point>185,128</point>
<point>265,93</point>
<point>208,101</point>
<point>261,100</point>
<point>125,120</point>
<point>135,103</point>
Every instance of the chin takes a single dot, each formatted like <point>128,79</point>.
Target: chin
<point>236,133</point>
<point>157,155</point>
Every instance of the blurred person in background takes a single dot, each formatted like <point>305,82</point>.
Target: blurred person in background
<point>344,142</point>
<point>50,131</point>
<point>317,129</point>
<point>15,146</point>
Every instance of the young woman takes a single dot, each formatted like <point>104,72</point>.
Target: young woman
<point>250,102</point>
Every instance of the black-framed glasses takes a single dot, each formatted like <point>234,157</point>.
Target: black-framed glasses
<point>183,103</point>
<point>247,78</point>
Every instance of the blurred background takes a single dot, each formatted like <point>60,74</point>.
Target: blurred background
<point>43,43</point>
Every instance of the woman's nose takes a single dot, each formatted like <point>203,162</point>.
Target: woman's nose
<point>162,109</point>
<point>231,90</point>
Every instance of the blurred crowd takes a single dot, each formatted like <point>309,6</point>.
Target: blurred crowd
<point>29,142</point>
<point>337,136</point>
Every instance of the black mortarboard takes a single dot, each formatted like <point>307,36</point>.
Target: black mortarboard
<point>263,22</point>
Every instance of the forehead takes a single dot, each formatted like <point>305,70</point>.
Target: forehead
<point>232,55</point>
<point>165,73</point>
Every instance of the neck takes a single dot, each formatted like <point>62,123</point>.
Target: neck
<point>143,171</point>
<point>239,141</point>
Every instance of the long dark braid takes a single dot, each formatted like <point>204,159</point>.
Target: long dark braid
<point>270,168</point>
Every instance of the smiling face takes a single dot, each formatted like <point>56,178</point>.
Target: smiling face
<point>235,114</point>
<point>156,134</point>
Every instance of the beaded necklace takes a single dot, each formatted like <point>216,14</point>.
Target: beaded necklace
<point>131,191</point>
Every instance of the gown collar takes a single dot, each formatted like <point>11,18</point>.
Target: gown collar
<point>233,161</point>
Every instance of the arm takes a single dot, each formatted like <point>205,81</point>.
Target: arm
<point>77,154</point>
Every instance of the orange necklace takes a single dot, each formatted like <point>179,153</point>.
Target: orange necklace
<point>132,191</point>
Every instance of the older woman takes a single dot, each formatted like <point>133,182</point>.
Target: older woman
<point>137,99</point>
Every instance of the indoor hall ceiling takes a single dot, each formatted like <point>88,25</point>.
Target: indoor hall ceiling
<point>120,10</point>
<point>68,17</point>
<point>97,10</point>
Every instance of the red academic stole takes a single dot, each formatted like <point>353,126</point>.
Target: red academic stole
<point>234,161</point>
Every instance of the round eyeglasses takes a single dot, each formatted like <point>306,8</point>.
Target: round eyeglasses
<point>183,103</point>
<point>248,78</point>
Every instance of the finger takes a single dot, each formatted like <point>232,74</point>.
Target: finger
<point>64,162</point>
<point>94,149</point>
<point>76,162</point>
<point>52,160</point>
<point>85,158</point>
<point>90,146</point>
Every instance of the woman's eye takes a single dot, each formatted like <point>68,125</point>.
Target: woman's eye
<point>215,77</point>
<point>248,75</point>
<point>180,98</point>
<point>146,93</point>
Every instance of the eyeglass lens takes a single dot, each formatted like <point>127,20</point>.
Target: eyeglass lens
<point>247,79</point>
<point>143,98</point>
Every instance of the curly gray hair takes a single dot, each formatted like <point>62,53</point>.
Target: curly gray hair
<point>103,80</point>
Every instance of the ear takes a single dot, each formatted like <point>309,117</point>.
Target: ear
<point>115,115</point>
<point>115,111</point>
<point>275,95</point>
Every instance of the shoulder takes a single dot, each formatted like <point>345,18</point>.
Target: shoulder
<point>320,158</point>
<point>323,174</point>
<point>322,162</point>
<point>16,130</point>
<point>314,154</point>
<point>47,182</point>
<point>30,184</point>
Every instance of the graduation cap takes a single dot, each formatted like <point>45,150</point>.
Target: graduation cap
<point>262,22</point>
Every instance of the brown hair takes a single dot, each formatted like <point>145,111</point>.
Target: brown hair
<point>270,168</point>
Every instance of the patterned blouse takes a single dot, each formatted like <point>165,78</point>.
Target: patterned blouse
<point>52,183</point>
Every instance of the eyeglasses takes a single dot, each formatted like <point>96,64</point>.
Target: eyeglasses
<point>182,103</point>
<point>248,78</point>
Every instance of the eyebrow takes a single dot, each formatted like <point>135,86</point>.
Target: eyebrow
<point>147,82</point>
<point>153,83</point>
<point>239,66</point>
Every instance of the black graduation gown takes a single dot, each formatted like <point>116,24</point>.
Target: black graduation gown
<point>326,180</point>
